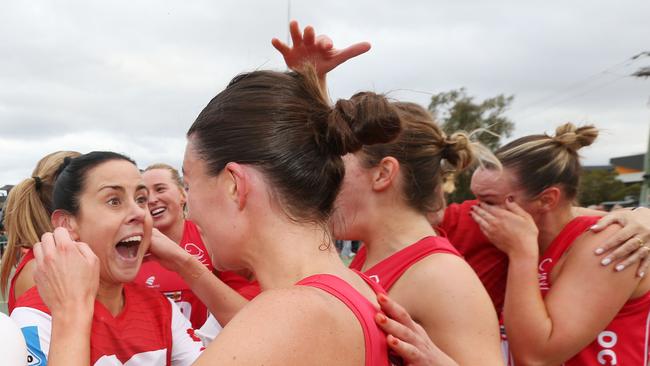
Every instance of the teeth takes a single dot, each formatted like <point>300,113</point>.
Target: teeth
<point>157,210</point>
<point>134,238</point>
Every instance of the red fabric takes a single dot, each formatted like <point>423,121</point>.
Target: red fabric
<point>364,310</point>
<point>155,276</point>
<point>489,263</point>
<point>144,324</point>
<point>625,340</point>
<point>246,288</point>
<point>11,301</point>
<point>389,270</point>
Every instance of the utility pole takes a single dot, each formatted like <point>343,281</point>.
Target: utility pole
<point>644,200</point>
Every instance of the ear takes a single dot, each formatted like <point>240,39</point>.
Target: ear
<point>238,183</point>
<point>549,198</point>
<point>385,173</point>
<point>61,218</point>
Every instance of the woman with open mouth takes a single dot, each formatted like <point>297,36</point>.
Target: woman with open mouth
<point>99,198</point>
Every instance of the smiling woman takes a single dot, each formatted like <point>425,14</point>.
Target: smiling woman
<point>100,198</point>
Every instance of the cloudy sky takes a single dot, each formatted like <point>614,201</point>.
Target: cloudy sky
<point>131,76</point>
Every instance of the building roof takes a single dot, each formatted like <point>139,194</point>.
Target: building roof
<point>630,161</point>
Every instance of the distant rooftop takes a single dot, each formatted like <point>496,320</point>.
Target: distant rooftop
<point>630,161</point>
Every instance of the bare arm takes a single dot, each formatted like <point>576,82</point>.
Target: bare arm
<point>222,301</point>
<point>464,324</point>
<point>550,330</point>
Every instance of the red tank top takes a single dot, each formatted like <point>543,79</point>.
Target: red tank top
<point>11,301</point>
<point>155,276</point>
<point>489,263</point>
<point>389,270</point>
<point>625,340</point>
<point>364,310</point>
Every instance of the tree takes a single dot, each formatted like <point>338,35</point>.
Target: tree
<point>598,186</point>
<point>456,111</point>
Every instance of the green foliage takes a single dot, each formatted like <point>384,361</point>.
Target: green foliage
<point>598,186</point>
<point>456,111</point>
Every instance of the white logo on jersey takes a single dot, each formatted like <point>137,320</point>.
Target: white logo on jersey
<point>158,357</point>
<point>607,340</point>
<point>150,281</point>
<point>542,274</point>
<point>32,359</point>
<point>196,252</point>
<point>374,278</point>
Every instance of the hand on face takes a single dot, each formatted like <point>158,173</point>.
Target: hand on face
<point>168,253</point>
<point>511,229</point>
<point>67,272</point>
<point>631,244</point>
<point>319,50</point>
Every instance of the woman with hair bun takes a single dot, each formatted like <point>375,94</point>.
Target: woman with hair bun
<point>387,193</point>
<point>262,168</point>
<point>561,306</point>
<point>27,217</point>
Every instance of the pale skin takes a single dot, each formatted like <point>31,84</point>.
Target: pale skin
<point>464,324</point>
<point>548,331</point>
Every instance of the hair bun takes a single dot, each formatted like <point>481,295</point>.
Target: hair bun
<point>365,119</point>
<point>574,138</point>
<point>458,150</point>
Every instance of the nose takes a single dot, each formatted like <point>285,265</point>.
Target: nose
<point>153,198</point>
<point>137,212</point>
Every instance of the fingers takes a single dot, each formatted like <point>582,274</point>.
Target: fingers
<point>404,350</point>
<point>643,267</point>
<point>282,47</point>
<point>294,31</point>
<point>635,257</point>
<point>604,222</point>
<point>512,206</point>
<point>324,42</point>
<point>395,310</point>
<point>352,51</point>
<point>86,252</point>
<point>617,240</point>
<point>397,329</point>
<point>308,37</point>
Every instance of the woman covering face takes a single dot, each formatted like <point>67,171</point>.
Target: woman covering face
<point>100,199</point>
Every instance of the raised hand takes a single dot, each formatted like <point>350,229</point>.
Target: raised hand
<point>318,50</point>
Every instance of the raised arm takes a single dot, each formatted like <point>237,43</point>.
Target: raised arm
<point>318,50</point>
<point>549,330</point>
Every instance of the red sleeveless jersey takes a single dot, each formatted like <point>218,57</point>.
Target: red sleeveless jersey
<point>149,330</point>
<point>155,276</point>
<point>489,263</point>
<point>389,270</point>
<point>625,340</point>
<point>11,301</point>
<point>374,339</point>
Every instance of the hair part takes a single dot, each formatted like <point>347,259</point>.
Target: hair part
<point>542,161</point>
<point>72,178</point>
<point>27,210</point>
<point>282,124</point>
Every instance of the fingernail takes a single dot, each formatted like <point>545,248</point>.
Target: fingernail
<point>593,227</point>
<point>641,274</point>
<point>394,341</point>
<point>510,199</point>
<point>606,261</point>
<point>620,267</point>
<point>381,298</point>
<point>599,251</point>
<point>381,318</point>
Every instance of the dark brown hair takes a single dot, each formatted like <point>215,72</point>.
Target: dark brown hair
<point>542,161</point>
<point>282,124</point>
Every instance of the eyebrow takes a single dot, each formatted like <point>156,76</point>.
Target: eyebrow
<point>121,189</point>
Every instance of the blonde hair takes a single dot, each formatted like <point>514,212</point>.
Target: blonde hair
<point>27,210</point>
<point>174,173</point>
<point>542,161</point>
<point>428,158</point>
